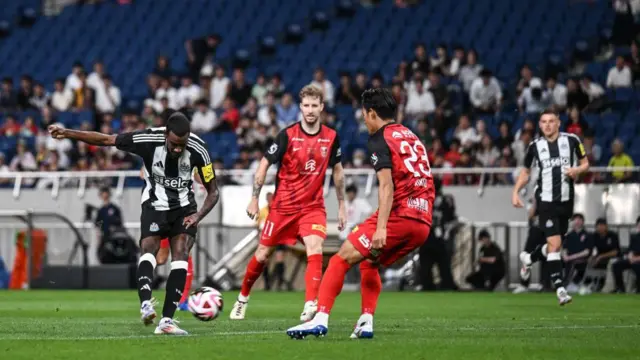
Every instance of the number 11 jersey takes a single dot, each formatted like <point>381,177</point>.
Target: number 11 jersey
<point>397,148</point>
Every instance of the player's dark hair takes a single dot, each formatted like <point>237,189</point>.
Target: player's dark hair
<point>178,124</point>
<point>549,112</point>
<point>381,101</point>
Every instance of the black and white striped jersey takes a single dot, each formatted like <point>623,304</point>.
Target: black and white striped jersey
<point>551,159</point>
<point>168,179</point>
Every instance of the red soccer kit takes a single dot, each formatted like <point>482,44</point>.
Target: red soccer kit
<point>297,209</point>
<point>397,148</point>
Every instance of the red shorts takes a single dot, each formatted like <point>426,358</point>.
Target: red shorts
<point>403,236</point>
<point>281,229</point>
<point>164,244</point>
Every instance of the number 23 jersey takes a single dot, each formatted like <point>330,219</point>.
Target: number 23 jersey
<point>397,148</point>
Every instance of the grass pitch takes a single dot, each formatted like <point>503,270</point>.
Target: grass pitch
<point>105,325</point>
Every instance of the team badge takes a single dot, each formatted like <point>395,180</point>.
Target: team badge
<point>549,223</point>
<point>185,167</point>
<point>154,227</point>
<point>323,151</point>
<point>374,159</point>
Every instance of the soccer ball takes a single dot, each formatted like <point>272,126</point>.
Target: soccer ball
<point>205,303</point>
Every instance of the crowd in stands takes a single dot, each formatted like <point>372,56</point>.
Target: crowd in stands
<point>480,131</point>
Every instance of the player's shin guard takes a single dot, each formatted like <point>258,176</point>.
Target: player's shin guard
<point>370,287</point>
<point>332,282</point>
<point>312,277</point>
<point>555,269</point>
<point>187,284</point>
<point>146,267</point>
<point>175,285</point>
<point>254,270</point>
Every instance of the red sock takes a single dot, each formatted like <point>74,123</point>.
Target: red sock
<point>312,277</point>
<point>332,283</point>
<point>187,284</point>
<point>254,270</point>
<point>370,287</point>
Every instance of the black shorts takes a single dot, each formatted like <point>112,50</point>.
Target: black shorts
<point>554,217</point>
<point>165,224</point>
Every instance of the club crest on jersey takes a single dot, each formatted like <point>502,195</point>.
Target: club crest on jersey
<point>185,167</point>
<point>323,151</point>
<point>310,165</point>
<point>273,148</point>
<point>154,227</point>
<point>374,159</point>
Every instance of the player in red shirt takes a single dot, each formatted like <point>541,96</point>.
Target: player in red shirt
<point>401,224</point>
<point>304,150</point>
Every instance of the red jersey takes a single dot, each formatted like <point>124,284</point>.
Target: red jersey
<point>304,159</point>
<point>397,148</point>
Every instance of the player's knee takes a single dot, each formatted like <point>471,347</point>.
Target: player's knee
<point>553,244</point>
<point>262,253</point>
<point>368,265</point>
<point>350,254</point>
<point>313,245</point>
<point>149,245</point>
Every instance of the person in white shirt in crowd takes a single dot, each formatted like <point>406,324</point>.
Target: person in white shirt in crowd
<point>620,76</point>
<point>259,90</point>
<point>358,209</point>
<point>534,98</point>
<point>276,86</point>
<point>557,94</point>
<point>420,102</point>
<point>487,154</point>
<point>465,133</point>
<point>24,159</point>
<point>188,93</point>
<point>470,71</point>
<point>526,77</point>
<point>73,80</point>
<point>591,88</point>
<point>481,131</point>
<point>220,85</point>
<point>418,77</point>
<point>204,119</point>
<point>61,97</point>
<point>166,91</point>
<point>485,93</point>
<point>325,85</point>
<point>457,62</point>
<point>521,145</point>
<point>108,97</point>
<point>263,113</point>
<point>94,80</point>
<point>40,97</point>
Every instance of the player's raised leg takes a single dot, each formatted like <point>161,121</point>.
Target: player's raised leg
<point>146,267</point>
<point>181,245</point>
<point>254,270</point>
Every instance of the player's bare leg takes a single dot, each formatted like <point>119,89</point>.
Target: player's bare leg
<point>370,289</point>
<point>162,256</point>
<point>146,266</point>
<point>254,270</point>
<point>555,268</point>
<point>313,276</point>
<point>330,288</point>
<point>180,248</point>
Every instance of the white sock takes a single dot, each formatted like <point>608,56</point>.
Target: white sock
<point>559,290</point>
<point>365,318</point>
<point>321,319</point>
<point>243,299</point>
<point>544,250</point>
<point>526,259</point>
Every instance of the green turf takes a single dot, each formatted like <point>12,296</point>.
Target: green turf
<point>105,325</point>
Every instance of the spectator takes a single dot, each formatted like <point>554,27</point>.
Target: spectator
<point>199,51</point>
<point>360,85</point>
<point>424,133</point>
<point>533,98</point>
<point>576,124</point>
<point>230,114</point>
<point>490,262</point>
<point>61,147</point>
<point>259,90</point>
<point>418,77</point>
<point>593,150</point>
<point>457,62</point>
<point>263,112</point>
<point>345,91</point>
<point>488,154</point>
<point>61,97</point>
<point>557,94</point>
<point>635,61</point>
<point>466,161</point>
<point>607,244</point>
<point>4,169</point>
<point>325,85</point>
<point>166,91</point>
<point>620,159</point>
<point>163,68</point>
<point>620,76</point>
<point>204,119</point>
<point>220,87</point>
<point>29,128</point>
<point>470,71</point>
<point>240,91</point>
<point>576,96</point>
<point>40,97</point>
<point>107,95</point>
<point>8,97</point>
<point>420,102</point>
<point>114,124</point>
<point>526,78</point>
<point>440,62</point>
<point>287,111</point>
<point>276,86</point>
<point>377,81</point>
<point>527,125</point>
<point>465,133</point>
<point>25,93</point>
<point>594,91</point>
<point>188,93</point>
<point>47,118</point>
<point>23,160</point>
<point>420,61</point>
<point>397,90</point>
<point>83,95</point>
<point>73,80</point>
<point>485,94</point>
<point>453,155</point>
<point>521,145</point>
<point>94,80</point>
<point>576,251</point>
<point>250,109</point>
<point>109,216</point>
<point>504,137</point>
<point>358,209</point>
<point>439,91</point>
<point>630,261</point>
<point>10,126</point>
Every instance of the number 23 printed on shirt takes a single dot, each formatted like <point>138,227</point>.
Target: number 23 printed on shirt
<point>417,154</point>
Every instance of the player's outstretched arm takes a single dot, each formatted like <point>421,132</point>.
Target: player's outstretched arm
<point>89,137</point>
<point>338,181</point>
<point>258,182</point>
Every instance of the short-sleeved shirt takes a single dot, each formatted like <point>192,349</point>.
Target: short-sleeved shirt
<point>397,148</point>
<point>578,241</point>
<point>168,179</point>
<point>606,243</point>
<point>303,161</point>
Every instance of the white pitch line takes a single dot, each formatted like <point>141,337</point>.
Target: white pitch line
<point>269,332</point>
